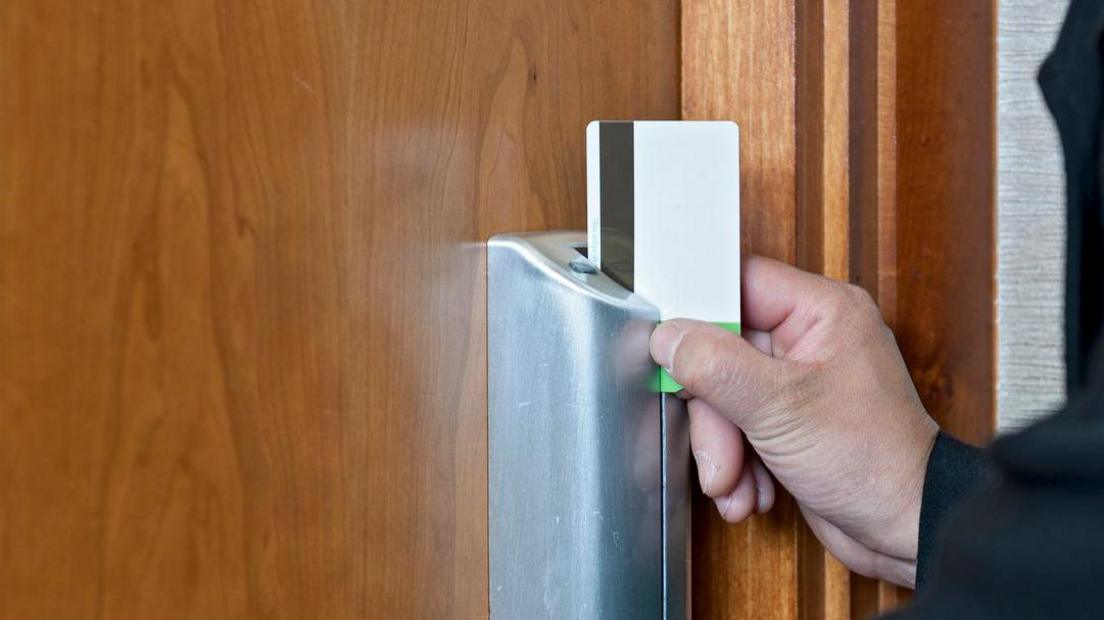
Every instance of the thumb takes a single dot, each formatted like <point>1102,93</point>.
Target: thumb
<point>718,367</point>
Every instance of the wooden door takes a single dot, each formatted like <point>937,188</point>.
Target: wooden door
<point>241,288</point>
<point>242,365</point>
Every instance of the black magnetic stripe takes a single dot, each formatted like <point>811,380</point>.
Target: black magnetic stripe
<point>615,156</point>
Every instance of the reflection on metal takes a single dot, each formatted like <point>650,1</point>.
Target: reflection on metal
<point>588,467</point>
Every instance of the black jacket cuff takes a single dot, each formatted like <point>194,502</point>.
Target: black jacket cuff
<point>954,469</point>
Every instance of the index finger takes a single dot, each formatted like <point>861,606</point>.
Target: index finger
<point>779,298</point>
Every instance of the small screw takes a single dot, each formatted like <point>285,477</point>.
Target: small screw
<point>582,265</point>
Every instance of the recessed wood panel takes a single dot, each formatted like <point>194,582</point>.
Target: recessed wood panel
<point>946,194</point>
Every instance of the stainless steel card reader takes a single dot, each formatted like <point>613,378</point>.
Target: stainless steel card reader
<point>588,464</point>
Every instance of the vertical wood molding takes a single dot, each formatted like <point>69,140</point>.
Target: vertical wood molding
<point>874,201</point>
<point>738,63</point>
<point>877,168</point>
<point>824,224</point>
<point>874,151</point>
<point>823,137</point>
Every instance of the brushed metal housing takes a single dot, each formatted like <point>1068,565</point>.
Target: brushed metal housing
<point>588,465</point>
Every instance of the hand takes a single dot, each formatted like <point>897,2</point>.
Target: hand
<point>819,391</point>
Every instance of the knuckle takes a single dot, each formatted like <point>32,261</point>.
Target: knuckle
<point>702,365</point>
<point>860,295</point>
<point>857,305</point>
<point>840,298</point>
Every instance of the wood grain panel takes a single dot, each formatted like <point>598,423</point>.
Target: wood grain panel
<point>241,288</point>
<point>946,123</point>
<point>738,63</point>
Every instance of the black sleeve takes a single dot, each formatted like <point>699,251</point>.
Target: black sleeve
<point>954,469</point>
<point>1028,540</point>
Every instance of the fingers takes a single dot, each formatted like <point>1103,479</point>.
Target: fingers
<point>719,367</point>
<point>784,301</point>
<point>728,471</point>
<point>764,484</point>
<point>772,291</point>
<point>718,448</point>
<point>741,501</point>
<point>760,340</point>
<point>857,556</point>
<point>753,493</point>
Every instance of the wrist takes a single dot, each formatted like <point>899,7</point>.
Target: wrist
<point>903,531</point>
